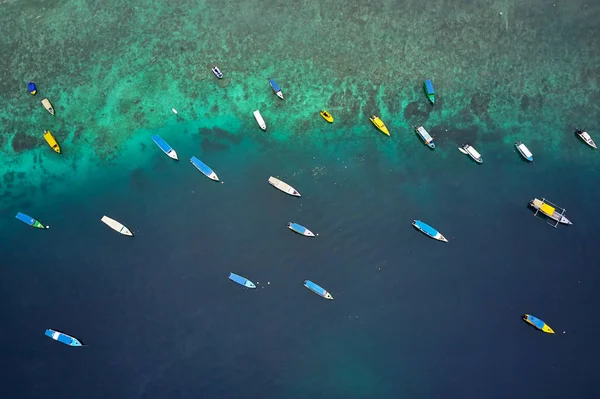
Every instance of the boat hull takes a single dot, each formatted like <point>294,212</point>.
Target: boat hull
<point>260,120</point>
<point>586,138</point>
<point>428,230</point>
<point>379,125</point>
<point>317,289</point>
<point>327,116</point>
<point>428,87</point>
<point>549,210</point>
<point>243,281</point>
<point>32,88</point>
<point>298,228</point>
<point>51,141</point>
<point>275,88</point>
<point>537,323</point>
<point>46,103</point>
<point>524,151</point>
<point>116,226</point>
<point>217,72</point>
<point>165,147</point>
<point>283,186</point>
<point>30,221</point>
<point>425,137</point>
<point>471,152</point>
<point>205,169</point>
<point>62,338</point>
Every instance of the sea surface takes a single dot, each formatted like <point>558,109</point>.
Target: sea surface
<point>412,317</point>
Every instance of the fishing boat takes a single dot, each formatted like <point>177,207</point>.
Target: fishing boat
<point>260,120</point>
<point>550,210</point>
<point>379,124</point>
<point>63,338</point>
<point>48,106</point>
<point>51,141</point>
<point>428,86</point>
<point>275,88</point>
<point>283,186</point>
<point>165,147</point>
<point>327,116</point>
<point>430,231</point>
<point>524,151</point>
<point>317,289</point>
<point>586,138</point>
<point>217,72</point>
<point>424,135</point>
<point>32,88</point>
<point>297,228</point>
<point>174,111</point>
<point>241,280</point>
<point>537,323</point>
<point>30,221</point>
<point>472,152</point>
<point>202,167</point>
<point>116,226</point>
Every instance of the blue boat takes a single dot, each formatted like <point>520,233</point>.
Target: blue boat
<point>63,338</point>
<point>202,167</point>
<point>30,221</point>
<point>430,231</point>
<point>241,280</point>
<point>317,289</point>
<point>165,147</point>
<point>298,228</point>
<point>32,88</point>
<point>428,86</point>
<point>275,88</point>
<point>424,135</point>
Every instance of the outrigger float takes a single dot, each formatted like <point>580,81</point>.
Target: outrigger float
<point>550,210</point>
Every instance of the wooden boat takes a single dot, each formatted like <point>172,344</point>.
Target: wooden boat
<point>217,72</point>
<point>30,221</point>
<point>165,147</point>
<point>327,116</point>
<point>586,138</point>
<point>63,338</point>
<point>298,228</point>
<point>428,86</point>
<point>275,88</point>
<point>428,230</point>
<point>116,226</point>
<point>537,323</point>
<point>32,88</point>
<point>204,168</point>
<point>260,120</point>
<point>379,124</point>
<point>424,135</point>
<point>283,186</point>
<point>51,141</point>
<point>317,289</point>
<point>241,280</point>
<point>550,210</point>
<point>48,106</point>
<point>472,152</point>
<point>524,151</point>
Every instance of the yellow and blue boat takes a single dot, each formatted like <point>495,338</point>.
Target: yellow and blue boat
<point>32,88</point>
<point>537,323</point>
<point>327,116</point>
<point>51,141</point>
<point>379,124</point>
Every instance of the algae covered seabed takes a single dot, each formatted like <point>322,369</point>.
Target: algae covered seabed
<point>411,318</point>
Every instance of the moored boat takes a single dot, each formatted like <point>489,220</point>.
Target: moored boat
<point>260,120</point>
<point>275,88</point>
<point>298,228</point>
<point>524,151</point>
<point>550,210</point>
<point>317,289</point>
<point>116,226</point>
<point>217,72</point>
<point>30,221</point>
<point>537,323</point>
<point>425,136</point>
<point>428,230</point>
<point>428,86</point>
<point>165,147</point>
<point>204,168</point>
<point>48,106</point>
<point>472,152</point>
<point>51,141</point>
<point>379,124</point>
<point>327,116</point>
<point>63,338</point>
<point>586,138</point>
<point>32,88</point>
<point>241,280</point>
<point>283,186</point>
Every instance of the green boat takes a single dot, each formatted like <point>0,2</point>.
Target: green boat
<point>428,86</point>
<point>30,221</point>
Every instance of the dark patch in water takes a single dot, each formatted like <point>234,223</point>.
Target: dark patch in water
<point>480,103</point>
<point>216,134</point>
<point>416,111</point>
<point>9,177</point>
<point>138,179</point>
<point>209,145</point>
<point>524,102</point>
<point>215,109</point>
<point>23,142</point>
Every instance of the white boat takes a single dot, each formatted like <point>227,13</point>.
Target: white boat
<point>116,226</point>
<point>217,72</point>
<point>472,152</point>
<point>283,186</point>
<point>524,151</point>
<point>260,120</point>
<point>586,138</point>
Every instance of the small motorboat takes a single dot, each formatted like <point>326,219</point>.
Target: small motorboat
<point>524,151</point>
<point>297,228</point>
<point>260,120</point>
<point>550,210</point>
<point>51,141</point>
<point>472,152</point>
<point>317,289</point>
<point>283,186</point>
<point>241,280</point>
<point>537,323</point>
<point>63,338</point>
<point>428,230</point>
<point>205,169</point>
<point>275,88</point>
<point>425,136</point>
<point>586,138</point>
<point>32,88</point>
<point>30,221</point>
<point>428,86</point>
<point>379,124</point>
<point>165,147</point>
<point>116,226</point>
<point>327,116</point>
<point>217,72</point>
<point>46,103</point>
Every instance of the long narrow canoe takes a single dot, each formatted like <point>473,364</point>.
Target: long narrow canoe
<point>202,167</point>
<point>116,226</point>
<point>51,141</point>
<point>30,221</point>
<point>537,323</point>
<point>298,228</point>
<point>32,89</point>
<point>260,120</point>
<point>275,88</point>
<point>241,280</point>
<point>283,186</point>
<point>48,106</point>
<point>317,289</point>
<point>63,338</point>
<point>428,230</point>
<point>165,147</point>
<point>428,86</point>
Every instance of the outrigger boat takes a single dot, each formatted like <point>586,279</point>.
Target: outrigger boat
<point>165,147</point>
<point>427,139</point>
<point>297,228</point>
<point>30,221</point>
<point>317,289</point>
<point>260,120</point>
<point>428,86</point>
<point>327,116</point>
<point>275,88</point>
<point>32,88</point>
<point>283,186</point>
<point>51,141</point>
<point>116,226</point>
<point>202,167</point>
<point>217,72</point>
<point>430,231</point>
<point>63,338</point>
<point>586,138</point>
<point>550,210</point>
<point>524,151</point>
<point>537,323</point>
<point>379,124</point>
<point>241,280</point>
<point>48,106</point>
<point>472,152</point>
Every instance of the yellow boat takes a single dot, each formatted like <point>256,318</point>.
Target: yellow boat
<point>51,141</point>
<point>327,116</point>
<point>537,323</point>
<point>379,124</point>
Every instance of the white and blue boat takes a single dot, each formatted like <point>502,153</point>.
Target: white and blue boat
<point>217,72</point>
<point>275,88</point>
<point>63,338</point>
<point>165,147</point>
<point>241,280</point>
<point>202,167</point>
<point>298,228</point>
<point>424,135</point>
<point>524,151</point>
<point>317,289</point>
<point>430,231</point>
<point>30,221</point>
